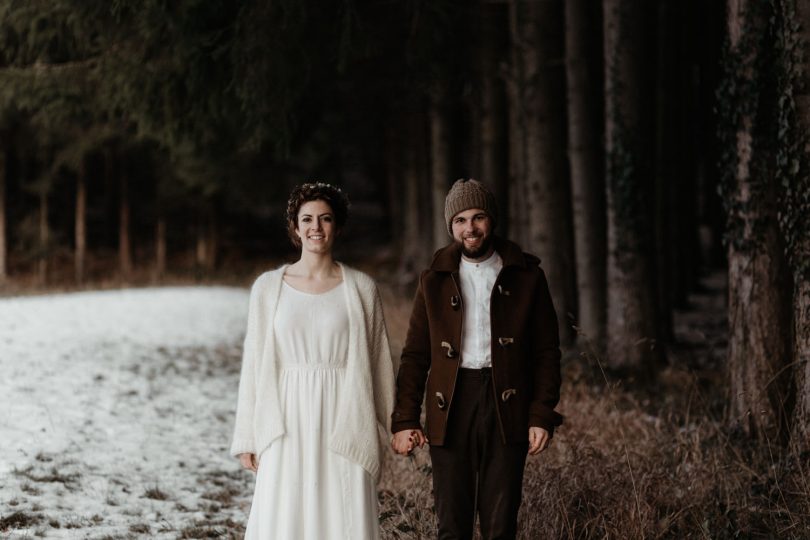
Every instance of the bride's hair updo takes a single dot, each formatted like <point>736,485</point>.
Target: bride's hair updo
<point>316,191</point>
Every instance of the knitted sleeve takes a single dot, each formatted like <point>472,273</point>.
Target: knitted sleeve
<point>382,365</point>
<point>243,436</point>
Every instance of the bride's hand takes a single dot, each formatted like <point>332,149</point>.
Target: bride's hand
<point>249,462</point>
<point>406,440</point>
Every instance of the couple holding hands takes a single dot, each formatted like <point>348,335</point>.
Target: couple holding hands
<point>318,385</point>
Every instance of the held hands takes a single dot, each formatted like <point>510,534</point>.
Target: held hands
<point>406,440</point>
<point>538,440</point>
<point>249,462</point>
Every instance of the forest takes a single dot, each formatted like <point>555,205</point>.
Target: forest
<point>652,153</point>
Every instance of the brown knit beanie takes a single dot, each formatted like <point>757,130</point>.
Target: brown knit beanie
<point>468,193</point>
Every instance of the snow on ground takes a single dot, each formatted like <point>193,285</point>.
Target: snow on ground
<point>116,411</point>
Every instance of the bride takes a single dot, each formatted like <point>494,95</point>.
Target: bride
<point>316,387</point>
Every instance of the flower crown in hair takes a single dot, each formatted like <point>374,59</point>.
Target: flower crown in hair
<point>311,186</point>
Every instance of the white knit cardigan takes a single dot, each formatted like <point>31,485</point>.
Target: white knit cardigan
<point>365,403</point>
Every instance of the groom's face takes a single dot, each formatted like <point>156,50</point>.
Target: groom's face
<point>473,230</point>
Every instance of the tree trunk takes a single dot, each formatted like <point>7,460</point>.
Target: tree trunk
<point>80,253</point>
<point>394,166</point>
<point>212,233</point>
<point>160,248</point>
<point>44,236</point>
<point>3,244</point>
<point>759,312</point>
<point>548,206</point>
<point>758,339</point>
<point>631,330</point>
<point>207,238</point>
<point>124,247</point>
<point>801,355</point>
<point>439,165</point>
<point>518,152</point>
<point>417,214</point>
<point>201,247</point>
<point>801,276</point>
<point>491,136</point>
<point>667,151</point>
<point>585,128</point>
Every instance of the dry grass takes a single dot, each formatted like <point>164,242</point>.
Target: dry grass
<point>155,493</point>
<point>140,528</point>
<point>55,475</point>
<point>18,520</point>
<point>633,460</point>
<point>214,529</point>
<point>616,470</point>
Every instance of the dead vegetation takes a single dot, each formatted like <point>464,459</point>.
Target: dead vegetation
<point>226,529</point>
<point>54,475</point>
<point>222,496</point>
<point>18,520</point>
<point>616,470</point>
<point>140,528</point>
<point>156,494</point>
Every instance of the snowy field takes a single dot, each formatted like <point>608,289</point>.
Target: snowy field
<point>116,411</point>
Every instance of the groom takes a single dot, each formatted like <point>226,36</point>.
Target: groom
<point>483,338</point>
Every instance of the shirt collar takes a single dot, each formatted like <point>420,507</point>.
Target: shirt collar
<point>490,262</point>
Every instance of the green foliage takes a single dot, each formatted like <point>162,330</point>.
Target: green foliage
<point>46,60</point>
<point>42,32</point>
<point>272,69</point>
<point>213,100</point>
<point>170,74</point>
<point>206,78</point>
<point>49,70</point>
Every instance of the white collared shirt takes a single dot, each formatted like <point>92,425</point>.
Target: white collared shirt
<point>477,281</point>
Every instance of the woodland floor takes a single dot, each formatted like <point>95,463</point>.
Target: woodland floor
<point>116,411</point>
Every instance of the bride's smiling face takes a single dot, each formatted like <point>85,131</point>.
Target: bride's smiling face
<point>316,227</point>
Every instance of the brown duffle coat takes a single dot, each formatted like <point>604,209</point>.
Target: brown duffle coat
<point>525,347</point>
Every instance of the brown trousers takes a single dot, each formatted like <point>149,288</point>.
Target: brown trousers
<point>474,470</point>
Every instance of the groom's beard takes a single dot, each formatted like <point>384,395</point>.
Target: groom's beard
<point>486,243</point>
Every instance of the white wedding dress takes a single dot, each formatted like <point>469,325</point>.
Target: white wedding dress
<point>304,491</point>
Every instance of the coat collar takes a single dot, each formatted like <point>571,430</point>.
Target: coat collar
<point>448,258</point>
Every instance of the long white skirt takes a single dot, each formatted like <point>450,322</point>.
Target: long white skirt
<point>304,491</point>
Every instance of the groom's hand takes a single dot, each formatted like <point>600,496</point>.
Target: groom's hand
<point>538,440</point>
<point>406,440</point>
